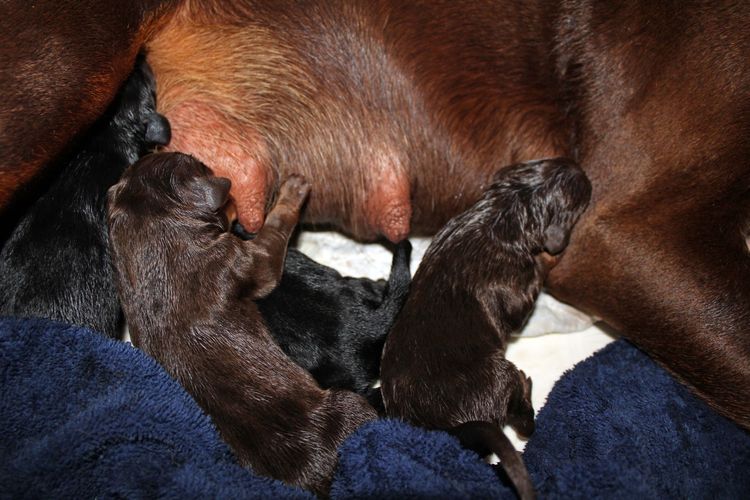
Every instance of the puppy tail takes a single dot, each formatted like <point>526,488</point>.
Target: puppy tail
<point>485,438</point>
<point>394,295</point>
<point>397,287</point>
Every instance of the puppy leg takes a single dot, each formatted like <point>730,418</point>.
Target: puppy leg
<point>520,414</point>
<point>269,247</point>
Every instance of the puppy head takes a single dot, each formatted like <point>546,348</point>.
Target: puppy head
<point>136,113</point>
<point>564,197</point>
<point>172,185</point>
<point>547,198</point>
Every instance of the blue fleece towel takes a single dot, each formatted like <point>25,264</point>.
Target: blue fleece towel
<point>615,426</point>
<point>390,459</point>
<point>85,416</point>
<point>619,426</point>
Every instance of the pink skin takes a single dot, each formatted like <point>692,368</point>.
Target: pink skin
<point>198,129</point>
<point>388,208</point>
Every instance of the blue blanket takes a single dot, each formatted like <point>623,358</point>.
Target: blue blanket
<point>85,416</point>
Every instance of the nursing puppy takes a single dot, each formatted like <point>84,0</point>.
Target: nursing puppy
<point>56,262</point>
<point>334,326</point>
<point>444,360</point>
<point>188,288</point>
<point>401,110</point>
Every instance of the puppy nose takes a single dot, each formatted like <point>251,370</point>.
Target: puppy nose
<point>158,131</point>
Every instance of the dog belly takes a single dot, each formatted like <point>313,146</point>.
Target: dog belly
<point>389,151</point>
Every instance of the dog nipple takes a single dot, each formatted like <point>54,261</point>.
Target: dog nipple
<point>395,221</point>
<point>251,203</point>
<point>388,208</point>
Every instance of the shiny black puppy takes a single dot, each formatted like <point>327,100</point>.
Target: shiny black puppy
<point>334,326</point>
<point>56,263</point>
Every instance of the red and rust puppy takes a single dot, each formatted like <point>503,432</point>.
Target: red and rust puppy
<point>444,359</point>
<point>400,112</point>
<point>188,287</point>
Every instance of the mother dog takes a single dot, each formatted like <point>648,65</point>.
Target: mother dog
<point>400,111</point>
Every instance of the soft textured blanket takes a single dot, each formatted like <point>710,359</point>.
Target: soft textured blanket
<point>84,416</point>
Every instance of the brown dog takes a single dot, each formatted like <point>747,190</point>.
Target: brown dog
<point>444,359</point>
<point>400,112</point>
<point>62,63</point>
<point>187,287</point>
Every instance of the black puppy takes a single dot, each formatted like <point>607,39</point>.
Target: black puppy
<point>444,363</point>
<point>56,262</point>
<point>334,326</point>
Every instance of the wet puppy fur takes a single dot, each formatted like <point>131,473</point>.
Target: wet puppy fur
<point>334,326</point>
<point>444,360</point>
<point>188,288</point>
<point>55,263</point>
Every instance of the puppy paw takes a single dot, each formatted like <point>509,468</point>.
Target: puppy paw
<point>526,381</point>
<point>294,190</point>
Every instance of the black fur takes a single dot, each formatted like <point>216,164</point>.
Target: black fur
<point>56,262</point>
<point>335,326</point>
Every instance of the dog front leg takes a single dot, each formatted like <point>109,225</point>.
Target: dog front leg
<point>270,246</point>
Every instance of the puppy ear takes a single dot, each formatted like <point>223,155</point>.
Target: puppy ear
<point>555,239</point>
<point>210,192</point>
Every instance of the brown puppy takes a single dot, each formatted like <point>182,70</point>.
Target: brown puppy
<point>187,287</point>
<point>444,359</point>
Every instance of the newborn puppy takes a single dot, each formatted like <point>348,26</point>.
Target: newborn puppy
<point>56,262</point>
<point>333,326</point>
<point>188,288</point>
<point>444,360</point>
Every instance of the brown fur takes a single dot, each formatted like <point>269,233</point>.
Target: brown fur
<point>187,287</point>
<point>381,140</point>
<point>62,62</point>
<point>651,98</point>
<point>444,359</point>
